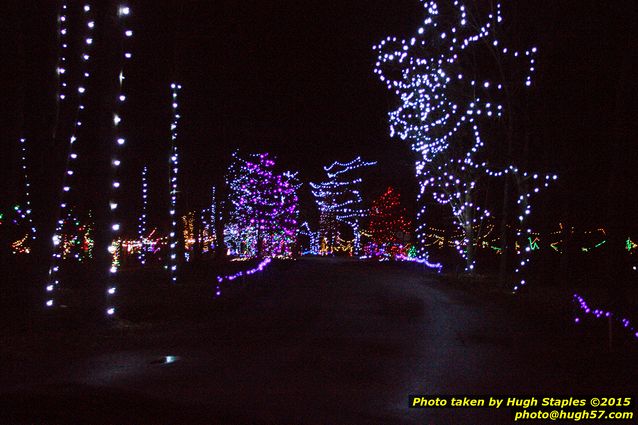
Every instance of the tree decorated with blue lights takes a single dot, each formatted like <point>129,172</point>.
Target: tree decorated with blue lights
<point>453,79</point>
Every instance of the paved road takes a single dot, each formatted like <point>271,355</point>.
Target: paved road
<point>320,342</point>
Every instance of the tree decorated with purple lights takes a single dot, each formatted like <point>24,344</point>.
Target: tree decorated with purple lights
<point>264,210</point>
<point>454,81</point>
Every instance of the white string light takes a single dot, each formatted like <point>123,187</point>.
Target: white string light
<point>64,209</point>
<point>26,214</point>
<point>116,162</point>
<point>173,171</point>
<point>61,68</point>
<point>142,220</point>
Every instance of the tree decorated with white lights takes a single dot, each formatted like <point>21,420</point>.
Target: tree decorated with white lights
<point>264,210</point>
<point>448,97</point>
<point>339,200</point>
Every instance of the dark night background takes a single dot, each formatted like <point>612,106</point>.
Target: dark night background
<point>295,78</point>
<point>328,340</point>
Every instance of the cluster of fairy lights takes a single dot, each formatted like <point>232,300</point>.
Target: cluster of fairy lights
<point>141,227</point>
<point>76,239</point>
<point>173,170</point>
<point>115,245</point>
<point>339,197</point>
<point>264,208</point>
<point>599,313</point>
<point>64,210</point>
<point>435,121</point>
<point>229,278</point>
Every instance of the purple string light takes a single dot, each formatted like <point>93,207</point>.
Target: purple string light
<point>260,267</point>
<point>582,305</point>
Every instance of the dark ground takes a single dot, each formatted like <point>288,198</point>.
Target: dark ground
<point>318,341</point>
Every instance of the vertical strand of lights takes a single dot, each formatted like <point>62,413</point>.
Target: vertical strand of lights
<point>211,223</point>
<point>116,163</point>
<point>173,170</point>
<point>27,190</point>
<point>61,68</point>
<point>64,209</point>
<point>141,229</point>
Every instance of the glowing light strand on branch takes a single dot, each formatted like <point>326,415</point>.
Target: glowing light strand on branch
<point>173,171</point>
<point>52,280</point>
<point>115,246</point>
<point>585,309</point>
<point>229,278</point>
<point>442,99</point>
<point>437,266</point>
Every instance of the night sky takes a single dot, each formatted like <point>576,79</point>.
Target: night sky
<point>295,79</point>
